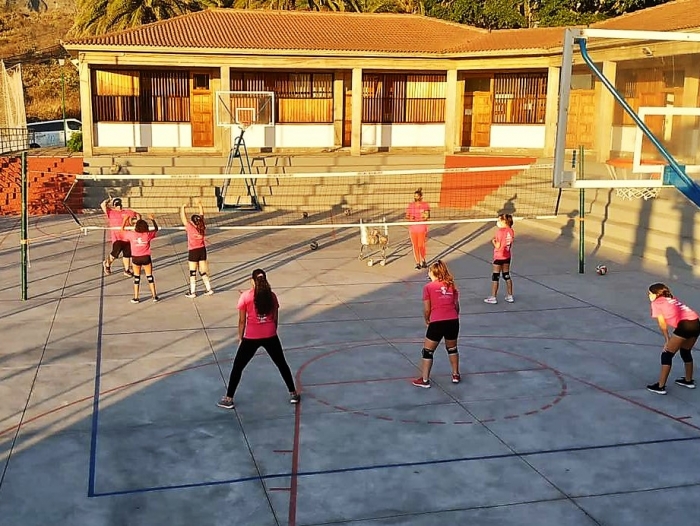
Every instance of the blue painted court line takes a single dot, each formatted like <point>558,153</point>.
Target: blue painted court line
<point>96,396</point>
<point>392,466</point>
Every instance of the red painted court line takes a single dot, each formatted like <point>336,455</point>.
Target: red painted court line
<point>402,378</point>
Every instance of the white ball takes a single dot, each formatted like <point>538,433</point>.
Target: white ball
<point>370,262</point>
<point>601,270</point>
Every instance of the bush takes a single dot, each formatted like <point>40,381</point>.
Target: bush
<point>75,143</point>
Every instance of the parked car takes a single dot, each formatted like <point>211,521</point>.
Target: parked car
<point>51,133</point>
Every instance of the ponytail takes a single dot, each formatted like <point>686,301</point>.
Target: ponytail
<point>660,290</point>
<point>262,293</point>
<point>443,274</point>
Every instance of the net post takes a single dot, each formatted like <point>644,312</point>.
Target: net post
<point>24,222</point>
<point>581,216</point>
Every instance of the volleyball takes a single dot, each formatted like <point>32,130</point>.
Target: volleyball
<point>313,245</point>
<point>601,270</point>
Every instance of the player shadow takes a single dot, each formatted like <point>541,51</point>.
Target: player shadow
<point>686,236</point>
<point>677,266</point>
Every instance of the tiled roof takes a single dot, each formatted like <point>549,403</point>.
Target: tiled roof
<point>293,30</point>
<point>672,16</point>
<point>395,34</point>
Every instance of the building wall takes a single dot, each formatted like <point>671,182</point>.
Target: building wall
<point>517,136</point>
<point>132,135</point>
<point>403,135</point>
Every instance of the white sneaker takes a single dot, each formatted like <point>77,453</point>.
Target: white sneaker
<point>190,295</point>
<point>509,298</point>
<point>491,299</point>
<point>209,292</point>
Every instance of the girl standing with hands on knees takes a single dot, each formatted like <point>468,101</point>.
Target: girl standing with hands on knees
<point>669,312</point>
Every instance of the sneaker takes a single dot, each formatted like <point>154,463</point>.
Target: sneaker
<point>456,378</point>
<point>134,300</point>
<point>419,382</point>
<point>209,292</point>
<point>656,388</point>
<point>509,298</point>
<point>156,299</point>
<point>190,295</point>
<point>226,402</point>
<point>128,274</point>
<point>294,398</point>
<point>491,299</point>
<point>418,267</point>
<point>690,384</point>
<point>424,265</point>
<point>107,269</point>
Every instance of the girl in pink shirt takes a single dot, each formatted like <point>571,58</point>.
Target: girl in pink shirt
<point>669,312</point>
<point>140,239</point>
<point>196,249</point>
<point>116,216</point>
<point>258,318</point>
<point>418,210</point>
<point>441,313</point>
<point>502,245</point>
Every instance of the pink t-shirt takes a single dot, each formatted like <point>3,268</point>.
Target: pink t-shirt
<point>194,238</point>
<point>414,212</point>
<point>504,236</point>
<point>140,242</point>
<point>443,301</point>
<point>258,327</point>
<point>115,219</point>
<point>672,310</point>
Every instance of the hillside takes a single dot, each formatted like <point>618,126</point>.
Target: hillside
<point>27,37</point>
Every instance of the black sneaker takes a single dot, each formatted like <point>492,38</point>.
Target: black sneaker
<point>134,300</point>
<point>656,388</point>
<point>690,384</point>
<point>294,398</point>
<point>424,265</point>
<point>418,267</point>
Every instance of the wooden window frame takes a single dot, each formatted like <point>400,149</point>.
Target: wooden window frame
<point>386,98</point>
<point>519,98</point>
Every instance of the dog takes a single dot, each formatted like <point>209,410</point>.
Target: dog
<point>373,237</point>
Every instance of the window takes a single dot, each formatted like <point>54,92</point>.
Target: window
<point>299,97</point>
<point>519,98</point>
<point>141,96</point>
<point>402,98</point>
<point>200,81</point>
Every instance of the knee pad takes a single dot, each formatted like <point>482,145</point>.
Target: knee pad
<point>452,350</point>
<point>137,280</point>
<point>666,358</point>
<point>193,273</point>
<point>203,274</point>
<point>150,278</point>
<point>686,356</point>
<point>506,275</point>
<point>427,354</point>
<point>494,276</point>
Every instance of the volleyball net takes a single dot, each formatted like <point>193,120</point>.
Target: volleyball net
<point>321,200</point>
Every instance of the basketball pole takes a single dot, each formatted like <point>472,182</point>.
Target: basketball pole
<point>24,226</point>
<point>581,215</point>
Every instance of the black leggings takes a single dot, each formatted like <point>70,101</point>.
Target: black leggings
<point>246,351</point>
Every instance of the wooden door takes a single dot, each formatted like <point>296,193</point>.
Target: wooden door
<point>482,108</point>
<point>655,123</point>
<point>202,111</point>
<point>467,119</point>
<point>580,124</point>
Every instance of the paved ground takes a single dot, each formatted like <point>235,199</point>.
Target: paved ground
<point>108,416</point>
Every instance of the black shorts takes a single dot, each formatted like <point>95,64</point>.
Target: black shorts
<point>437,330</point>
<point>501,261</point>
<point>196,255</point>
<point>121,247</point>
<point>141,260</point>
<point>688,329</point>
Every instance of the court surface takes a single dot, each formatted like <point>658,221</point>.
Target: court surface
<point>108,415</point>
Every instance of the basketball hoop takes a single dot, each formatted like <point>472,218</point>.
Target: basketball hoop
<point>637,193</point>
<point>244,124</point>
